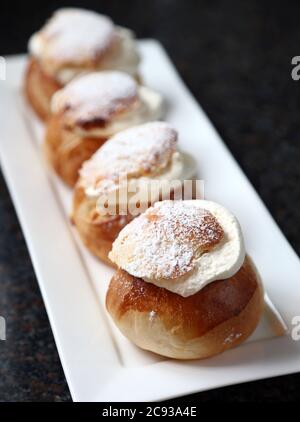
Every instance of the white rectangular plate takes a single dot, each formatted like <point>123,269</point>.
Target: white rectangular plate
<point>99,363</point>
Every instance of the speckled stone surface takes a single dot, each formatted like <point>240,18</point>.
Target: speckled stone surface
<point>236,59</point>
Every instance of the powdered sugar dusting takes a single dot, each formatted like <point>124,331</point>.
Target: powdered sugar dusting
<point>232,337</point>
<point>134,152</point>
<point>165,241</point>
<point>94,98</point>
<point>152,316</point>
<point>75,35</point>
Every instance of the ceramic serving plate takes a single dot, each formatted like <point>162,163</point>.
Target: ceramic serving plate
<point>99,363</point>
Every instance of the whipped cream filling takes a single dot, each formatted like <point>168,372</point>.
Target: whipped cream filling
<point>68,44</point>
<point>221,262</point>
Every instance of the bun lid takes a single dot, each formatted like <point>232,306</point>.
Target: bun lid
<point>181,245</point>
<point>135,152</point>
<point>93,99</point>
<point>73,36</point>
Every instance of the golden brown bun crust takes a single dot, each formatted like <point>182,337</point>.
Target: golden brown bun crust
<point>220,316</point>
<point>98,234</point>
<point>39,89</point>
<point>66,151</point>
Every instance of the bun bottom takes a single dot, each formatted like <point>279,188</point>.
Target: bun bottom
<point>220,316</point>
<point>97,233</point>
<point>39,89</point>
<point>66,151</point>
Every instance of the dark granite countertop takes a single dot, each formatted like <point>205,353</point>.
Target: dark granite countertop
<point>236,59</point>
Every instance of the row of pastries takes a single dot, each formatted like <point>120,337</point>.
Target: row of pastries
<point>184,286</point>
